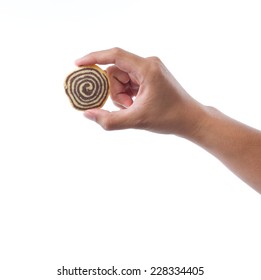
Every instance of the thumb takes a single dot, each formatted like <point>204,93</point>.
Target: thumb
<point>110,120</point>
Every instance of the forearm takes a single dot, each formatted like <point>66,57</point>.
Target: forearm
<point>236,145</point>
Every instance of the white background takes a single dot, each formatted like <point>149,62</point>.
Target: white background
<point>72,194</point>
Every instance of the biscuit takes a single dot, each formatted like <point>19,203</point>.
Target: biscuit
<point>87,87</point>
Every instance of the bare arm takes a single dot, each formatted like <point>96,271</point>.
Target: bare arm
<point>235,144</point>
<point>163,106</point>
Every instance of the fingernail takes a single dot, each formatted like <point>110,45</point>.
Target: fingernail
<point>120,104</point>
<point>77,61</point>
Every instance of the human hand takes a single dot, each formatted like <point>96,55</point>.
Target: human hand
<point>148,96</point>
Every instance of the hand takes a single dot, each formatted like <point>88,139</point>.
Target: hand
<point>148,96</point>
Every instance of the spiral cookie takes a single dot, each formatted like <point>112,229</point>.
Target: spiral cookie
<point>87,87</point>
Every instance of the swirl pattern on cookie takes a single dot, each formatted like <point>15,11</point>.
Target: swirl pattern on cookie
<point>87,87</point>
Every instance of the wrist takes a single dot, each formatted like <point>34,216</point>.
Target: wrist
<point>201,123</point>
<point>193,121</point>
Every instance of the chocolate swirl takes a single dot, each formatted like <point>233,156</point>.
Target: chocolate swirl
<point>87,87</point>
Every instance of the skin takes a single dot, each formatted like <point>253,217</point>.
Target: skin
<point>162,105</point>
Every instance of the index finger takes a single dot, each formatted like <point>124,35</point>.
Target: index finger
<point>124,60</point>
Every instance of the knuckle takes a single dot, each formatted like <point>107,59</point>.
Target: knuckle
<point>110,70</point>
<point>107,124</point>
<point>154,59</point>
<point>117,51</point>
<point>155,67</point>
